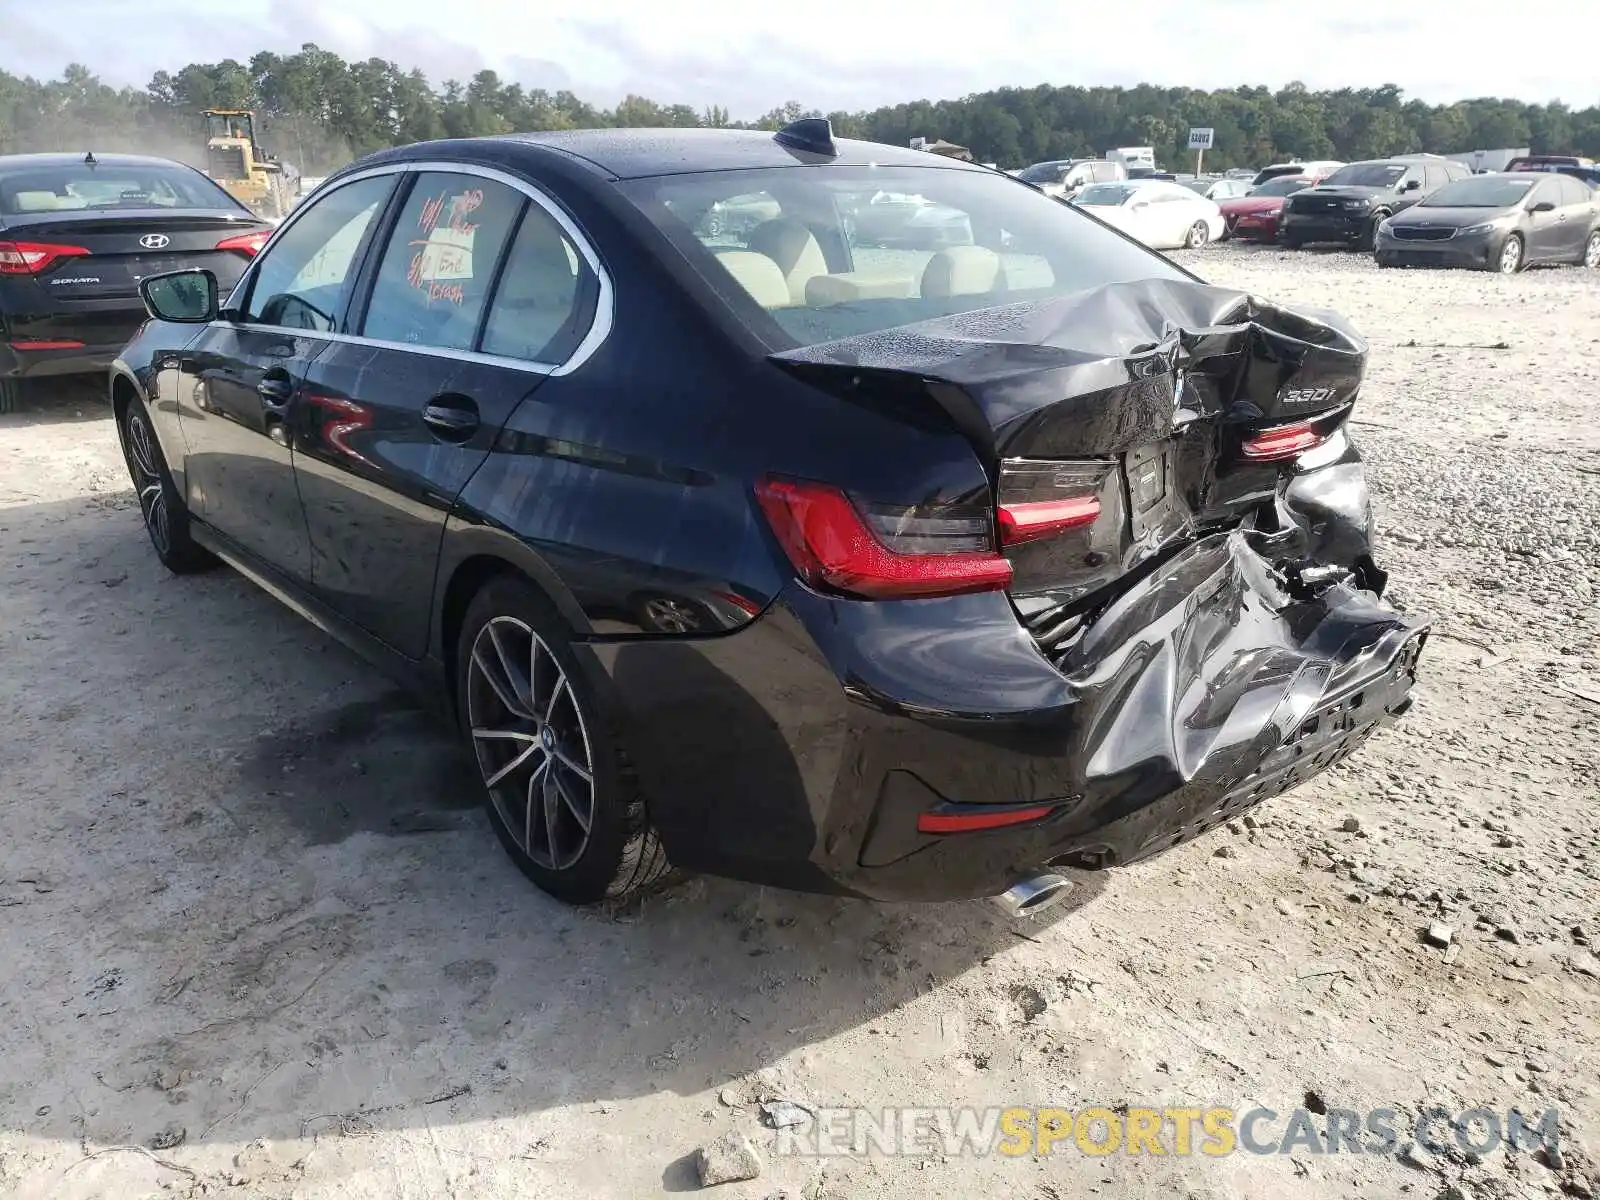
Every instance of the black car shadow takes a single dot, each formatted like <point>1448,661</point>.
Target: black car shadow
<point>284,915</point>
<point>58,401</point>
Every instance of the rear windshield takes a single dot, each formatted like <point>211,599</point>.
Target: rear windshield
<point>1046,172</point>
<point>1366,175</point>
<point>855,250</point>
<point>1280,187</point>
<point>73,187</point>
<point>1481,191</point>
<point>1106,193</point>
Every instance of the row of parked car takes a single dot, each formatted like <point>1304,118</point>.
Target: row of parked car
<point>1410,210</point>
<point>1426,211</point>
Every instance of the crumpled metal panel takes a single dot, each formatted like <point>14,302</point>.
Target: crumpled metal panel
<point>1101,372</point>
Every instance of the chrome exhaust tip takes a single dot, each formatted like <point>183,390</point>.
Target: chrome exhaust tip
<point>1030,897</point>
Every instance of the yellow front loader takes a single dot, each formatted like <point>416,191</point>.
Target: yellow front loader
<point>236,161</point>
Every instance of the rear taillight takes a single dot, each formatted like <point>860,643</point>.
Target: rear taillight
<point>33,258</point>
<point>881,552</point>
<point>1282,442</point>
<point>247,244</point>
<point>1040,499</point>
<point>971,818</point>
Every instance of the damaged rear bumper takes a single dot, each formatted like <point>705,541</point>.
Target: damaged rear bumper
<point>802,751</point>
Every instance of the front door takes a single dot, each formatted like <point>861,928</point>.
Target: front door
<point>475,293</point>
<point>239,381</point>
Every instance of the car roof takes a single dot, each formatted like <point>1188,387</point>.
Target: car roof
<point>641,153</point>
<point>13,161</point>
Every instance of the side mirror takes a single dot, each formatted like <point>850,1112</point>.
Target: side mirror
<point>1139,205</point>
<point>1411,185</point>
<point>1543,206</point>
<point>186,297</point>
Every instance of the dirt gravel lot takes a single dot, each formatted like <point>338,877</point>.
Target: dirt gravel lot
<point>255,940</point>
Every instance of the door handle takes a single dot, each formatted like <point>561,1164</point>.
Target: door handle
<point>455,421</point>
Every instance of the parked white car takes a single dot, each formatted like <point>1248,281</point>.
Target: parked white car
<point>1162,215</point>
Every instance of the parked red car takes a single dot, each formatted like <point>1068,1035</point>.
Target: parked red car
<point>1254,218</point>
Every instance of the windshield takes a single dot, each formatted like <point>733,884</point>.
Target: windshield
<point>1482,191</point>
<point>1045,172</point>
<point>1280,187</point>
<point>1200,185</point>
<point>1366,175</point>
<point>832,264</point>
<point>1105,193</point>
<point>78,186</point>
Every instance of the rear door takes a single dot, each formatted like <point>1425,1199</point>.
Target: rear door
<point>1546,230</point>
<point>1574,216</point>
<point>397,418</point>
<point>238,383</point>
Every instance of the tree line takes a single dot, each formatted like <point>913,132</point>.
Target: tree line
<point>317,111</point>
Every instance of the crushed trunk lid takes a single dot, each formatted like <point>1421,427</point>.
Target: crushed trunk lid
<point>1119,423</point>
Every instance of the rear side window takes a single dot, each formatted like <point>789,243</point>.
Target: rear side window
<point>1575,191</point>
<point>432,284</point>
<point>545,300</point>
<point>303,279</point>
<point>76,186</point>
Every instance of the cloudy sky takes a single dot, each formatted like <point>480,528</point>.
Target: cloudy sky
<point>833,53</point>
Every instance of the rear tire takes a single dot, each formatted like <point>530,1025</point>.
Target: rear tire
<point>1591,251</point>
<point>558,787</point>
<point>1289,243</point>
<point>11,392</point>
<point>166,517</point>
<point>1510,260</point>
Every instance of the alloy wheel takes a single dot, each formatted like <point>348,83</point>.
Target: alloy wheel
<point>666,615</point>
<point>1591,251</point>
<point>531,741</point>
<point>1199,235</point>
<point>1510,256</point>
<point>148,481</point>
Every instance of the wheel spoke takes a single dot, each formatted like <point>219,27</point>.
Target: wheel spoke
<point>579,813</point>
<point>552,814</point>
<point>517,687</point>
<point>515,764</point>
<point>573,765</point>
<point>555,694</point>
<point>504,735</point>
<point>534,782</point>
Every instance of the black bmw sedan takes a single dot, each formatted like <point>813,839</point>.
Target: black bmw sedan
<point>905,573</point>
<point>77,234</point>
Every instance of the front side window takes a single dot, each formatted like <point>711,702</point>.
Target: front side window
<point>433,281</point>
<point>856,250</point>
<point>303,279</point>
